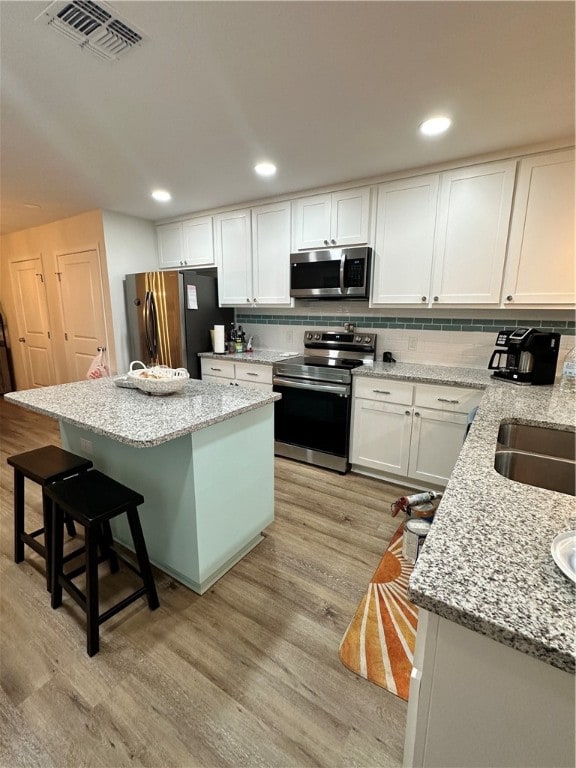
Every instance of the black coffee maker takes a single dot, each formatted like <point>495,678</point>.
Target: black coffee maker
<point>528,356</point>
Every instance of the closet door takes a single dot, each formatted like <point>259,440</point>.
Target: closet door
<point>34,340</point>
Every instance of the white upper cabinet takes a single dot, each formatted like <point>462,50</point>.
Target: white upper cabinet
<point>271,254</point>
<point>332,220</point>
<point>540,264</point>
<point>472,224</point>
<point>170,244</point>
<point>188,243</point>
<point>198,242</point>
<point>232,236</point>
<point>405,224</point>
<point>253,256</point>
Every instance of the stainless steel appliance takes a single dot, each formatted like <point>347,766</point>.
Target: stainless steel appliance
<point>525,356</point>
<point>334,273</point>
<point>170,315</point>
<point>312,420</point>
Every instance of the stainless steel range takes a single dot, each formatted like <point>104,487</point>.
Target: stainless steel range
<point>312,420</point>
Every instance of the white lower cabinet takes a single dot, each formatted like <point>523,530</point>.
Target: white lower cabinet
<point>410,430</point>
<point>476,702</point>
<point>230,373</point>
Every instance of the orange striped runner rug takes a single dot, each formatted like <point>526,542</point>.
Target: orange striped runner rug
<point>379,642</point>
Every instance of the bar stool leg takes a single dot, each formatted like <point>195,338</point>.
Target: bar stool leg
<point>57,554</point>
<point>70,527</point>
<point>18,516</point>
<point>92,624</point>
<point>47,514</point>
<point>142,555</point>
<point>106,544</point>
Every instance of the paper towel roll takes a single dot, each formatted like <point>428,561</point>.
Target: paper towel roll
<point>219,339</point>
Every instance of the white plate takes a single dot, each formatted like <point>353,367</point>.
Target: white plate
<point>564,553</point>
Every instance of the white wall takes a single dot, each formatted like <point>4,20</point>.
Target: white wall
<point>130,247</point>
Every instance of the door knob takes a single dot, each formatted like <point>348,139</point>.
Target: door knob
<point>22,339</point>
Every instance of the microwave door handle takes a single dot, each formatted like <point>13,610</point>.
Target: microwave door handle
<point>342,262</point>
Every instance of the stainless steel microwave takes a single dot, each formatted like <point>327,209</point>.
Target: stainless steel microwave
<point>333,273</point>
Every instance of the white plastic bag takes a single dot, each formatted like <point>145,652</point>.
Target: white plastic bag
<point>99,366</point>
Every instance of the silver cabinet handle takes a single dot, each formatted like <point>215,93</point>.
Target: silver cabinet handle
<point>446,400</point>
<point>509,298</point>
<point>416,413</point>
<point>381,392</point>
<point>215,369</point>
<point>423,298</point>
<point>333,242</point>
<point>326,242</point>
<point>407,413</point>
<point>249,373</point>
<point>435,298</point>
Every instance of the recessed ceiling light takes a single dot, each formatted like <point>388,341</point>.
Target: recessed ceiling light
<point>161,195</point>
<point>265,169</point>
<point>434,126</point>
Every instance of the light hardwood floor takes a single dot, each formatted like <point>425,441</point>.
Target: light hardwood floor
<point>246,675</point>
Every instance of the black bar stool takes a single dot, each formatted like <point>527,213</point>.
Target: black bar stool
<point>43,466</point>
<point>92,500</point>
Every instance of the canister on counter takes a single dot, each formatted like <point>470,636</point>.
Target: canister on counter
<point>415,532</point>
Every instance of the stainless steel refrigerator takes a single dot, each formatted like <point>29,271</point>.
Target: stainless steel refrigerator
<point>169,317</point>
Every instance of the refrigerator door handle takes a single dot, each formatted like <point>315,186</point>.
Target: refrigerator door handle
<point>153,329</point>
<point>145,317</point>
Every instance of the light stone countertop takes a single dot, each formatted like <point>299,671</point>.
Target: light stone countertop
<point>132,417</point>
<point>486,563</point>
<point>476,378</point>
<point>262,356</point>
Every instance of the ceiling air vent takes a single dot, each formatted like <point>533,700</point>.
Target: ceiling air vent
<point>95,27</point>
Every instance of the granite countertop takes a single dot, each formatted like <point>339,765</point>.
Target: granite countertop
<point>487,563</point>
<point>262,356</point>
<point>477,378</point>
<point>132,417</point>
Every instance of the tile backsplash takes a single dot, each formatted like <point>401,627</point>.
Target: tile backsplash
<point>449,337</point>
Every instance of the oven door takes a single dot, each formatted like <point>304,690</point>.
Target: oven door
<point>312,422</point>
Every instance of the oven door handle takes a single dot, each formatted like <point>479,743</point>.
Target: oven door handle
<point>313,386</point>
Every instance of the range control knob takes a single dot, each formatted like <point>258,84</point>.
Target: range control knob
<point>358,339</point>
<point>367,339</point>
<point>317,336</point>
<point>309,336</point>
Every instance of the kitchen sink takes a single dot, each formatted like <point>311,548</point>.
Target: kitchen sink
<point>544,441</point>
<point>555,474</point>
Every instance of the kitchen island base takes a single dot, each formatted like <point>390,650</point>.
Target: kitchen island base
<point>208,494</point>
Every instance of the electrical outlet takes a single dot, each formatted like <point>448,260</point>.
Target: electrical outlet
<point>412,343</point>
<point>86,445</point>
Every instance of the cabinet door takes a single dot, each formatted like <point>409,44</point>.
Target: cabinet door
<point>405,224</point>
<point>436,442</point>
<point>350,217</point>
<point>170,245</point>
<point>198,242</point>
<point>271,253</point>
<point>233,257</point>
<point>381,436</point>
<point>312,222</point>
<point>250,373</point>
<point>540,265</point>
<point>471,233</point>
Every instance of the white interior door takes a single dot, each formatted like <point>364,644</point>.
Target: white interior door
<point>33,322</point>
<point>82,308</point>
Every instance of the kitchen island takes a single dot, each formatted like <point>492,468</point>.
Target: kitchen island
<point>202,458</point>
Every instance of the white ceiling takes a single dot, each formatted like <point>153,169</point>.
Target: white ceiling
<point>330,91</point>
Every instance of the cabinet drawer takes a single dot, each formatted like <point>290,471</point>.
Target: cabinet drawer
<point>216,368</point>
<point>254,373</point>
<point>454,399</point>
<point>388,390</point>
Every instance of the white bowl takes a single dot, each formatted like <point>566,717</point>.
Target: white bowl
<point>159,379</point>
